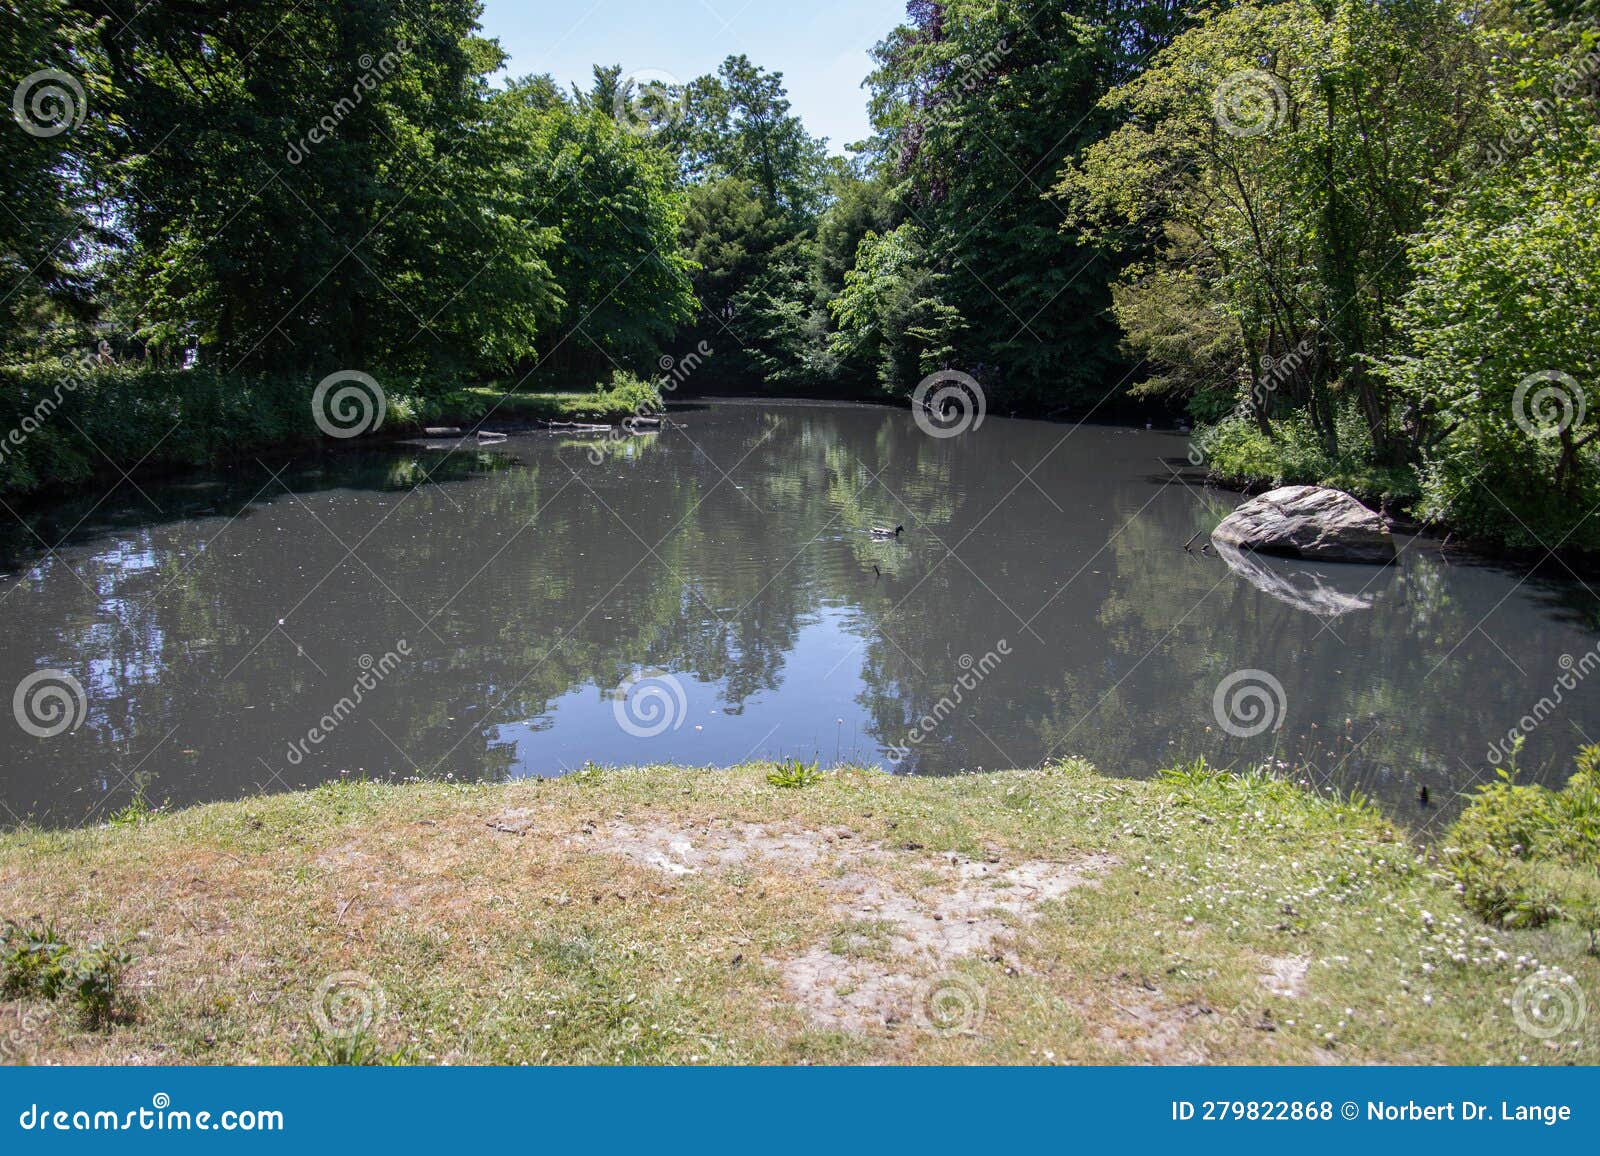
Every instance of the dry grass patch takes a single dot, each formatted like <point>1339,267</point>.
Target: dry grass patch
<point>663,915</point>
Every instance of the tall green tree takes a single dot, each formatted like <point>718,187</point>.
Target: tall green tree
<point>48,233</point>
<point>1274,159</point>
<point>738,123</point>
<point>976,105</point>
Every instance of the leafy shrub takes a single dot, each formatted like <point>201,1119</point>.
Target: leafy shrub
<point>637,394</point>
<point>354,1050</point>
<point>792,774</point>
<point>36,963</point>
<point>1525,856</point>
<point>1293,454</point>
<point>32,961</point>
<point>95,982</point>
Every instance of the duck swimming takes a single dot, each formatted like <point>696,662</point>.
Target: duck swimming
<point>881,532</point>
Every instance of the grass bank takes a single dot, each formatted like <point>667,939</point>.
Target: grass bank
<point>72,424</point>
<point>686,916</point>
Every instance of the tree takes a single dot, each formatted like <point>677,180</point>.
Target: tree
<point>975,106</point>
<point>1500,366</point>
<point>1275,157</point>
<point>738,124</point>
<point>892,314</point>
<point>48,237</point>
<point>608,198</point>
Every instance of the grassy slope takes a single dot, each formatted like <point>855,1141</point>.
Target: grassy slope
<point>594,405</point>
<point>494,946</point>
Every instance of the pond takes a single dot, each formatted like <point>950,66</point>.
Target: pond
<point>712,594</point>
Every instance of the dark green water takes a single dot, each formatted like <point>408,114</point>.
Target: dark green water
<point>471,612</point>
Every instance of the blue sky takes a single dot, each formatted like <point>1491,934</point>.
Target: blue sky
<point>820,46</point>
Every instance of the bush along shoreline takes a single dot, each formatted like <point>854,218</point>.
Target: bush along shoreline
<point>72,423</point>
<point>784,914</point>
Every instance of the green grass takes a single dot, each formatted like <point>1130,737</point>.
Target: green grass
<point>660,915</point>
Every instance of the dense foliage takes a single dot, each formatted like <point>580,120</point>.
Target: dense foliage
<point>1353,241</point>
<point>1360,250</point>
<point>1524,855</point>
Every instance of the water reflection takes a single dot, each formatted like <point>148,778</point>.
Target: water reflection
<point>225,629</point>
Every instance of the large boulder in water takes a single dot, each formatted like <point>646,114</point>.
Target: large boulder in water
<point>1308,522</point>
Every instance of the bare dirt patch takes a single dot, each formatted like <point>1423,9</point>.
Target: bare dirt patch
<point>1286,976</point>
<point>1151,1030</point>
<point>903,916</point>
<point>690,850</point>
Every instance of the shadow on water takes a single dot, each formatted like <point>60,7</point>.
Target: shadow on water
<point>713,594</point>
<point>228,492</point>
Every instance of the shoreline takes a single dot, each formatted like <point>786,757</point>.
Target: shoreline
<point>671,915</point>
<point>518,413</point>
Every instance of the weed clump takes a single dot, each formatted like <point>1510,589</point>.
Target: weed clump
<point>1527,856</point>
<point>37,963</point>
<point>792,774</point>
